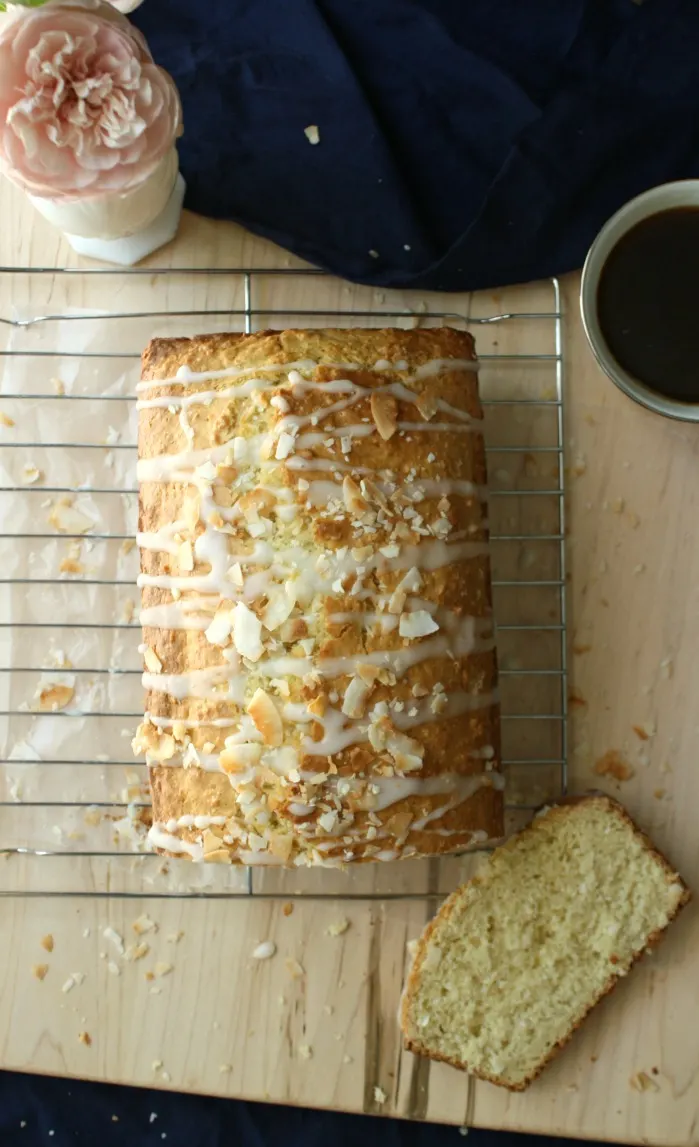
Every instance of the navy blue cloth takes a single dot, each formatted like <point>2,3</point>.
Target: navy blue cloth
<point>44,1112</point>
<point>467,143</point>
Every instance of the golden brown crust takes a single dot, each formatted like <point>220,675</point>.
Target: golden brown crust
<point>463,740</point>
<point>558,810</point>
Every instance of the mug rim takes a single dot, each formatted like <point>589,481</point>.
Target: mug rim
<point>679,193</point>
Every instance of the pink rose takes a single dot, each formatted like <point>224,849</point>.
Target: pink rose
<point>83,108</point>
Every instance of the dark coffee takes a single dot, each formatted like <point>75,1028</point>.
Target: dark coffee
<point>648,302</point>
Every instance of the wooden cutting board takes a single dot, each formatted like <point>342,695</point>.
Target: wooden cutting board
<point>315,1024</point>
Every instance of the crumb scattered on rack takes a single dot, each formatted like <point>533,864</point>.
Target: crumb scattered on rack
<point>40,971</point>
<point>115,938</point>
<point>74,980</point>
<point>579,650</point>
<point>114,968</point>
<point>305,1051</point>
<point>5,419</point>
<point>288,908</point>
<point>51,697</point>
<point>174,937</point>
<point>613,764</point>
<point>137,951</point>
<point>294,969</point>
<point>85,1038</point>
<point>644,732</point>
<point>641,1081</point>
<point>162,968</point>
<point>380,1095</point>
<point>67,520</point>
<point>144,924</point>
<point>31,474</point>
<point>338,927</point>
<point>225,1068</point>
<point>667,668</point>
<point>265,950</point>
<point>576,698</point>
<point>47,942</point>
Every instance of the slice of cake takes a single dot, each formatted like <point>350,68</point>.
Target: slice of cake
<point>516,958</point>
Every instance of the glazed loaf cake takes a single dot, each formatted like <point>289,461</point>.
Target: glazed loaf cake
<point>321,681</point>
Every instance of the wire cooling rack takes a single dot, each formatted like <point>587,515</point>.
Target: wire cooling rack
<point>72,799</point>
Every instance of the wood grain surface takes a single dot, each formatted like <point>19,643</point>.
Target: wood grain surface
<point>315,1024</point>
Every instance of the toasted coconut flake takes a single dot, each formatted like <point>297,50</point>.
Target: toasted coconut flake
<point>353,499</point>
<point>338,927</point>
<point>428,405</point>
<point>397,601</point>
<point>31,474</point>
<point>355,698</point>
<point>67,520</point>
<point>318,705</point>
<point>264,951</point>
<point>219,631</point>
<point>411,582</point>
<point>235,575</point>
<point>153,662</point>
<point>239,758</point>
<point>247,632</point>
<point>266,717</point>
<point>420,623</point>
<point>384,411</point>
<point>285,445</point>
<point>185,557</point>
<point>368,673</point>
<point>280,605</point>
<point>52,697</point>
<point>143,924</point>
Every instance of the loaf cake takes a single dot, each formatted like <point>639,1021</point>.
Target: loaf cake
<point>320,670</point>
<point>517,957</point>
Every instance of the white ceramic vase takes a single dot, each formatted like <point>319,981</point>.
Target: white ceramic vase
<point>122,228</point>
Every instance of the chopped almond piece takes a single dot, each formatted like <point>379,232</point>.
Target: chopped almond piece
<point>266,717</point>
<point>384,411</point>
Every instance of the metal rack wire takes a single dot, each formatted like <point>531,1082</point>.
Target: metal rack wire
<point>68,373</point>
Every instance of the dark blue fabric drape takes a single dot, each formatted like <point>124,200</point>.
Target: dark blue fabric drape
<point>83,1115</point>
<point>468,143</point>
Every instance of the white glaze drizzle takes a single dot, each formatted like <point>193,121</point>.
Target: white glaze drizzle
<point>187,377</point>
